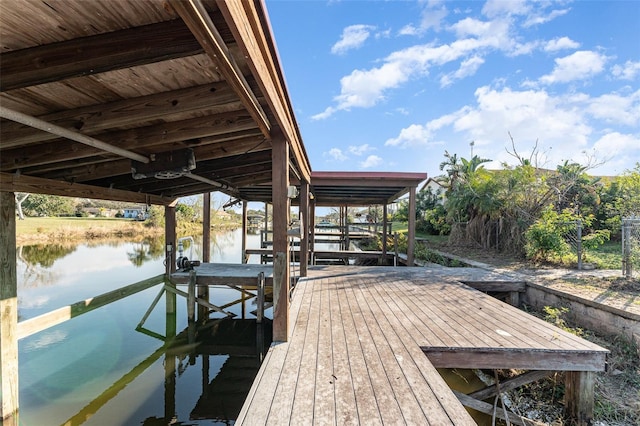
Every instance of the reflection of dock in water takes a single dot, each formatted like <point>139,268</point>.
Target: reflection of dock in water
<point>245,342</point>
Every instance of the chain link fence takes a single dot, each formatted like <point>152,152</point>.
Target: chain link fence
<point>631,247</point>
<point>572,234</point>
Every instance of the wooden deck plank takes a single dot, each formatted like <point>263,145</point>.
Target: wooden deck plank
<point>385,398</point>
<point>417,368</point>
<point>304,390</point>
<point>366,405</point>
<point>324,409</point>
<point>284,393</point>
<point>356,351</point>
<point>394,358</point>
<point>344,396</point>
<point>265,384</point>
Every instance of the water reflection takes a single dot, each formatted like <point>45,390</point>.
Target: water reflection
<point>97,369</point>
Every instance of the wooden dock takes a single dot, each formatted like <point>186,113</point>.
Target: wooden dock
<point>359,335</point>
<point>231,274</point>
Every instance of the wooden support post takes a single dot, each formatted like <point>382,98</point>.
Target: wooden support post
<point>206,228</point>
<point>260,298</point>
<point>346,228</point>
<point>304,231</point>
<point>170,259</point>
<point>191,297</point>
<point>411,237</point>
<point>8,311</point>
<point>395,248</point>
<point>579,397</point>
<point>244,232</point>
<point>384,231</point>
<point>203,290</point>
<point>280,183</point>
<point>312,227</point>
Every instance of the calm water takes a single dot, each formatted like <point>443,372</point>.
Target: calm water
<point>96,369</point>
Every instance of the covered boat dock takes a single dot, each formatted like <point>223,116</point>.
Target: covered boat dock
<point>147,102</point>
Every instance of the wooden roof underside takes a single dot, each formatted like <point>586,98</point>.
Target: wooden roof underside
<point>146,77</point>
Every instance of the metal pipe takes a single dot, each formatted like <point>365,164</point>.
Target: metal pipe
<point>36,123</point>
<point>206,180</point>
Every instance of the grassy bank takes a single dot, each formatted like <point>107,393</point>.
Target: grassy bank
<point>58,229</point>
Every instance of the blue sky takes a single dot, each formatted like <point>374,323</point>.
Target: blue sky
<point>391,85</point>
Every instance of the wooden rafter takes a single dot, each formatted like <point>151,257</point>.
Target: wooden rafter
<point>197,19</point>
<point>143,139</point>
<point>214,98</point>
<point>96,54</point>
<point>255,40</point>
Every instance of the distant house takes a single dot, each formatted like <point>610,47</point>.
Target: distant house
<point>436,188</point>
<point>135,213</point>
<point>98,212</point>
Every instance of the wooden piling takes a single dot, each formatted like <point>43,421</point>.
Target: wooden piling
<point>579,397</point>
<point>191,297</point>
<point>260,301</point>
<point>8,312</point>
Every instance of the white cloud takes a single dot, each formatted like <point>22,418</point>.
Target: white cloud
<point>431,17</point>
<point>619,151</point>
<point>336,154</point>
<point>467,67</point>
<point>415,134</point>
<point>629,71</point>
<point>577,66</point>
<point>565,126</point>
<point>542,18</point>
<point>371,161</point>
<point>360,149</point>
<point>353,37</point>
<point>560,43</point>
<point>615,108</point>
<point>493,8</point>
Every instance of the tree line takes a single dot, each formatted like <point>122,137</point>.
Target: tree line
<point>524,208</point>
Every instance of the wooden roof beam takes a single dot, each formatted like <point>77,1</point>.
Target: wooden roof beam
<point>197,19</point>
<point>185,133</point>
<point>20,183</point>
<point>99,53</point>
<point>211,98</point>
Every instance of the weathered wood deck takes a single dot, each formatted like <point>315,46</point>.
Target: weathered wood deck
<point>356,353</point>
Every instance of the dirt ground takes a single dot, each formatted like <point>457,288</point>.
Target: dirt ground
<point>617,401</point>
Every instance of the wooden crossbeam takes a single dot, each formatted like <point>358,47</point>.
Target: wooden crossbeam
<point>487,408</point>
<point>507,385</point>
<point>21,183</point>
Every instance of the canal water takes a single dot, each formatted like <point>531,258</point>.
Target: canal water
<point>101,369</point>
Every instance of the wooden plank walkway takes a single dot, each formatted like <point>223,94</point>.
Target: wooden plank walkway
<point>356,353</point>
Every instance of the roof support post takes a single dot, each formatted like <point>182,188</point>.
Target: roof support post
<point>244,232</point>
<point>170,263</point>
<point>206,227</point>
<point>312,227</point>
<point>280,183</point>
<point>203,290</point>
<point>384,231</point>
<point>411,237</point>
<point>8,311</point>
<point>304,232</point>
